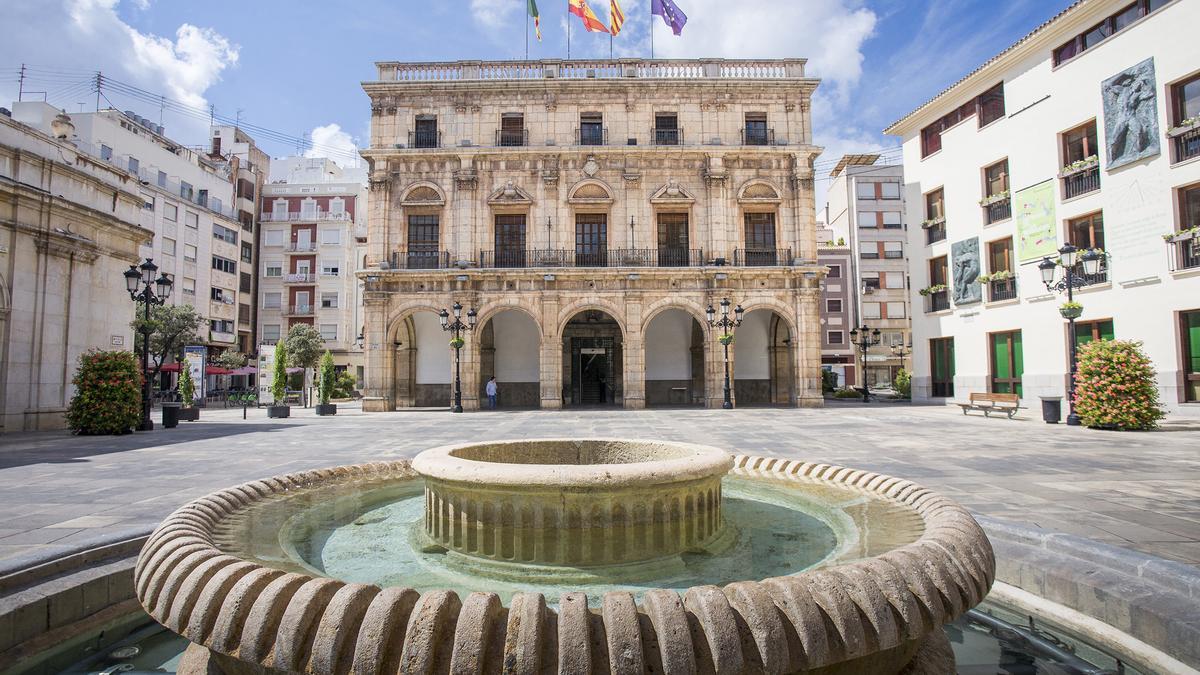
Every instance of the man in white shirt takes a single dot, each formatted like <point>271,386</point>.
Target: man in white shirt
<point>491,389</point>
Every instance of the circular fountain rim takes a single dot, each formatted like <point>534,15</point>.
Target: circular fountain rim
<point>696,462</point>
<point>892,603</point>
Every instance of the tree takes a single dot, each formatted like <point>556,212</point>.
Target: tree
<point>231,359</point>
<point>304,346</point>
<point>903,383</point>
<point>279,373</point>
<point>187,388</point>
<point>172,327</point>
<point>327,378</point>
<point>108,393</point>
<point>1114,387</point>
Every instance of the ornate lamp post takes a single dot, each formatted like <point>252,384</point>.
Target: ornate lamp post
<point>901,350</point>
<point>457,328</point>
<point>727,325</point>
<point>1068,256</point>
<point>142,286</point>
<point>864,338</point>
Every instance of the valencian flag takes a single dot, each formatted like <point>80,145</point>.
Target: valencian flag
<point>616,18</point>
<point>537,20</point>
<point>591,23</point>
<point>671,14</point>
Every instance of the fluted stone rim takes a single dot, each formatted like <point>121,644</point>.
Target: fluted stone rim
<point>810,620</point>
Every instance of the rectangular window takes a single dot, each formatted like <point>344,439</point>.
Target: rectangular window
<point>1000,255</point>
<point>938,271</point>
<point>893,250</point>
<point>1186,99</point>
<point>591,129</point>
<point>1189,326</point>
<point>1007,362</point>
<point>895,310</point>
<point>868,250</point>
<point>889,190</point>
<point>329,300</point>
<point>760,239</point>
<point>270,333</point>
<point>272,300</point>
<point>331,268</point>
<point>941,367</point>
<point>892,220</point>
<point>224,265</point>
<point>935,205</point>
<point>835,337</point>
<point>995,178</point>
<point>512,130</point>
<point>872,310</point>
<point>991,105</point>
<point>423,242</point>
<point>148,202</point>
<point>425,134</point>
<point>868,219</point>
<point>168,246</point>
<point>835,272</point>
<point>273,237</point>
<point>673,240</point>
<point>1080,143</point>
<point>893,280</point>
<point>666,129</point>
<point>192,220</point>
<point>170,212</point>
<point>186,190</point>
<point>591,239</point>
<point>162,179</point>
<point>189,253</point>
<point>755,131</point>
<point>331,237</point>
<point>870,280</point>
<point>244,280</point>
<point>833,306</point>
<point>247,252</point>
<point>134,165</point>
<point>224,234</point>
<point>220,294</point>
<point>1105,29</point>
<point>1091,331</point>
<point>1087,232</point>
<point>189,286</point>
<point>329,332</point>
<point>106,153</point>
<point>273,270</point>
<point>865,190</point>
<point>510,240</point>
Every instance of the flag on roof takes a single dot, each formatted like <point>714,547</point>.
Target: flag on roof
<point>671,14</point>
<point>591,23</point>
<point>537,19</point>
<point>616,18</point>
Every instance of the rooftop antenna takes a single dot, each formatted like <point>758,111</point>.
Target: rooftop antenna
<point>21,83</point>
<point>99,83</point>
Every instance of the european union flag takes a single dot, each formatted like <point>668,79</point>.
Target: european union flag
<point>670,13</point>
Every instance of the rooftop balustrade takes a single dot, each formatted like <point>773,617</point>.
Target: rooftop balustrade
<point>582,69</point>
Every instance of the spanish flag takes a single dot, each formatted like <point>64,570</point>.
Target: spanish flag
<point>590,22</point>
<point>616,18</point>
<point>537,19</point>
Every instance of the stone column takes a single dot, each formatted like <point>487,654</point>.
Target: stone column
<point>377,394</point>
<point>550,366</point>
<point>470,355</point>
<point>634,354</point>
<point>714,365</point>
<point>380,197</point>
<point>807,350</point>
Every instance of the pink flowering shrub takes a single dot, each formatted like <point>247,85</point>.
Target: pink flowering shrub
<point>108,393</point>
<point>1115,386</point>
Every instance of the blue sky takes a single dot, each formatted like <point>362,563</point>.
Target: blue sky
<point>295,67</point>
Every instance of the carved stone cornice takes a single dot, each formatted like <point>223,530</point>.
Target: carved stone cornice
<point>67,247</point>
<point>466,179</point>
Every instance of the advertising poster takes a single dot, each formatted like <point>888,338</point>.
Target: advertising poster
<point>266,371</point>
<point>1037,230</point>
<point>196,359</point>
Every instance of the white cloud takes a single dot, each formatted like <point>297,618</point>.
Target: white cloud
<point>330,141</point>
<point>494,14</point>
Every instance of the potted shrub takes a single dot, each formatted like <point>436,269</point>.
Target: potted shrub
<point>993,199</point>
<point>847,392</point>
<point>1070,310</point>
<point>1085,164</point>
<point>1184,127</point>
<point>1115,388</point>
<point>279,408</point>
<point>726,339</point>
<point>108,394</point>
<point>930,290</point>
<point>187,395</point>
<point>903,384</point>
<point>326,380</point>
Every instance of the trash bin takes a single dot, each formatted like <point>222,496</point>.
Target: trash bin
<point>170,415</point>
<point>1051,409</point>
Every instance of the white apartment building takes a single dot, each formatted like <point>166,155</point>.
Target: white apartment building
<point>313,238</point>
<point>1084,132</point>
<point>865,208</point>
<point>187,199</point>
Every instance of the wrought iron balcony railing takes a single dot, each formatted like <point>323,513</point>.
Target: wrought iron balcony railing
<point>752,136</point>
<point>301,247</point>
<point>591,135</point>
<point>1187,144</point>
<point>1183,252</point>
<point>938,301</point>
<point>667,136</point>
<point>419,260</point>
<point>1081,183</point>
<point>425,138</point>
<point>511,138</point>
<point>1001,210</point>
<point>762,257</point>
<point>1002,289</point>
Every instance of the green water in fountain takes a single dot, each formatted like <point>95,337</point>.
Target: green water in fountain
<point>367,533</point>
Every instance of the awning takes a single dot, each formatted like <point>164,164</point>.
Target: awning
<point>208,370</point>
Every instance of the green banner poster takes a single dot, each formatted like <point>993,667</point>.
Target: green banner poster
<point>1037,229</point>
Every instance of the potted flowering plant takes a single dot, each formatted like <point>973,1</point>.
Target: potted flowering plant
<point>1184,127</point>
<point>1182,235</point>
<point>457,343</point>
<point>933,222</point>
<point>930,290</point>
<point>994,199</point>
<point>726,339</point>
<point>1080,166</point>
<point>1070,310</point>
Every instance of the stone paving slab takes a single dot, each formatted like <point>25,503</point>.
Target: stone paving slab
<point>1137,490</point>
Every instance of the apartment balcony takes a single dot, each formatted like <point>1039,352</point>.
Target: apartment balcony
<point>1187,144</point>
<point>998,211</point>
<point>425,139</point>
<point>223,338</point>
<point>512,138</point>
<point>1081,183</point>
<point>600,257</point>
<point>305,216</point>
<point>1000,290</point>
<point>419,260</point>
<point>591,135</point>
<point>667,136</point>
<point>299,279</point>
<point>1183,251</point>
<point>938,301</point>
<point>762,257</point>
<point>758,137</point>
<point>304,247</point>
<point>935,232</point>
<point>299,310</point>
<point>1100,277</point>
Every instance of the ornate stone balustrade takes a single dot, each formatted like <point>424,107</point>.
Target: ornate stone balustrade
<point>752,69</point>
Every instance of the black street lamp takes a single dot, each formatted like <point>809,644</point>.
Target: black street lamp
<point>1068,256</point>
<point>900,350</point>
<point>143,287</point>
<point>457,328</point>
<point>864,338</point>
<point>727,325</point>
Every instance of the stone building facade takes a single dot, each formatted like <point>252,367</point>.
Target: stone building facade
<point>590,212</point>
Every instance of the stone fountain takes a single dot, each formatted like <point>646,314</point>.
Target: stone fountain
<point>483,557</point>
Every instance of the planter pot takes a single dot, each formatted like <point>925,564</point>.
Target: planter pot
<point>326,409</point>
<point>170,415</point>
<point>1071,313</point>
<point>189,414</point>
<point>1051,409</point>
<point>279,411</point>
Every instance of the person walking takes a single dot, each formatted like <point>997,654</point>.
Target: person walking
<point>492,389</point>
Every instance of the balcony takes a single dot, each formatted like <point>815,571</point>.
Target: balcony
<point>1100,277</point>
<point>998,211</point>
<point>301,247</point>
<point>419,260</point>
<point>512,138</point>
<point>667,136</point>
<point>762,257</point>
<point>302,278</point>
<point>591,135</point>
<point>752,136</point>
<point>603,257</point>
<point>1187,144</point>
<point>582,69</point>
<point>305,216</point>
<point>1081,183</point>
<point>937,301</point>
<point>222,337</point>
<point>1000,290</point>
<point>299,310</point>
<point>425,138</point>
<point>1183,251</point>
<point>934,231</point>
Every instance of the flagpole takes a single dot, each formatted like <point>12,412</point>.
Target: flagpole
<point>527,33</point>
<point>610,51</point>
<point>651,30</point>
<point>568,37</point>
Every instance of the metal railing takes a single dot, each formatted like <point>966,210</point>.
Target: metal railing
<point>1002,289</point>
<point>1001,210</point>
<point>758,137</point>
<point>301,247</point>
<point>603,257</point>
<point>419,260</point>
<point>299,278</point>
<point>742,69</point>
<point>300,310</point>
<point>504,259</point>
<point>937,302</point>
<point>935,233</point>
<point>1100,277</point>
<point>425,139</point>
<point>1081,183</point>
<point>1187,144</point>
<point>509,138</point>
<point>594,135</point>
<point>667,136</point>
<point>304,216</point>
<point>1183,254</point>
<point>762,257</point>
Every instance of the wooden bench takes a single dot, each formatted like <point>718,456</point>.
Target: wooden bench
<point>1008,404</point>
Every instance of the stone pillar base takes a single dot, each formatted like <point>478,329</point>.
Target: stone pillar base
<point>635,403</point>
<point>810,402</point>
<point>552,404</point>
<point>377,404</point>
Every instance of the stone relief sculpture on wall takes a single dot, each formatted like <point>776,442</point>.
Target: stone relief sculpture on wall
<point>1130,115</point>
<point>964,256</point>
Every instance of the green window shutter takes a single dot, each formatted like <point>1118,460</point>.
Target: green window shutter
<point>1018,360</point>
<point>1192,326</point>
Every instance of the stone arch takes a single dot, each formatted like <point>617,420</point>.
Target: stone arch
<point>590,191</point>
<point>511,350</point>
<point>765,367</point>
<point>423,193</point>
<point>659,306</point>
<point>567,313</point>
<point>410,357</point>
<point>759,191</point>
<point>593,344</point>
<point>675,357</point>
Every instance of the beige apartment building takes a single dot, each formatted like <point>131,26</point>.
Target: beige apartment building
<point>590,212</point>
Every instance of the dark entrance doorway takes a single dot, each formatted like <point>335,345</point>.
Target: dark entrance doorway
<point>592,359</point>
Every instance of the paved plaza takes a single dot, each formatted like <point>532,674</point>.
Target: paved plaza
<point>1138,490</point>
